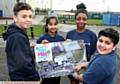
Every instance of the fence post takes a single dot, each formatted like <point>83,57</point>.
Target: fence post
<point>5,27</point>
<point>32,32</point>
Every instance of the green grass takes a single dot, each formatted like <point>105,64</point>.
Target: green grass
<point>89,21</point>
<point>38,30</point>
<point>94,22</point>
<point>1,29</point>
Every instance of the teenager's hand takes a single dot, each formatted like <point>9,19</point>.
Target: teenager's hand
<point>32,45</point>
<point>79,77</point>
<point>80,66</point>
<point>45,41</point>
<point>68,40</point>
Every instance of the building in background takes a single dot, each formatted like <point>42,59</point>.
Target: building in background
<point>6,7</point>
<point>111,18</point>
<point>42,4</point>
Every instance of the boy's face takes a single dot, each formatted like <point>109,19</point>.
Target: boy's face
<point>23,19</point>
<point>105,45</point>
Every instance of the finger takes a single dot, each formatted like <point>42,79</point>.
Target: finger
<point>44,41</point>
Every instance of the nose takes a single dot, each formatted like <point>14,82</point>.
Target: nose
<point>102,44</point>
<point>80,20</point>
<point>53,26</point>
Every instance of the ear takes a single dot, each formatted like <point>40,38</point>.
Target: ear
<point>15,18</point>
<point>114,47</point>
<point>86,22</point>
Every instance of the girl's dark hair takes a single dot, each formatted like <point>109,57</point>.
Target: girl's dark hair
<point>110,33</point>
<point>81,8</point>
<point>47,22</point>
<point>81,11</point>
<point>21,6</point>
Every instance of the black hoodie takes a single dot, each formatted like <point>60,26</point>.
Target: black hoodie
<point>20,61</point>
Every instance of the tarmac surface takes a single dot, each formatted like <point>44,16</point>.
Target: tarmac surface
<point>63,28</point>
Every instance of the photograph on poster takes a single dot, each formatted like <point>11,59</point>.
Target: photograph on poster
<point>59,58</point>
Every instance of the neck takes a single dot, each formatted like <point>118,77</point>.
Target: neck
<point>24,29</point>
<point>52,34</point>
<point>80,29</point>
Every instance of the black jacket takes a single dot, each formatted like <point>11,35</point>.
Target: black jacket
<point>20,61</point>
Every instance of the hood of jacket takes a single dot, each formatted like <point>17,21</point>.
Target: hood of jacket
<point>13,28</point>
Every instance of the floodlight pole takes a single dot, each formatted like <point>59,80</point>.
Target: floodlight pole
<point>50,4</point>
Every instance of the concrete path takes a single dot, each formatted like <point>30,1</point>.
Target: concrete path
<point>63,29</point>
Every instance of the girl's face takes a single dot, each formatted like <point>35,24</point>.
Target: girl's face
<point>81,20</point>
<point>52,26</point>
<point>105,45</point>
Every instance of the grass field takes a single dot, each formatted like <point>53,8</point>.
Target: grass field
<point>1,29</point>
<point>94,22</point>
<point>38,29</point>
<point>89,22</point>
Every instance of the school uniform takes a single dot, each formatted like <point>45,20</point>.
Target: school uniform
<point>56,38</point>
<point>20,61</point>
<point>101,69</point>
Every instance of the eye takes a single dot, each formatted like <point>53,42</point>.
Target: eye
<point>100,40</point>
<point>84,19</point>
<point>78,18</point>
<point>50,24</point>
<point>30,16</point>
<point>55,23</point>
<point>81,18</point>
<point>24,16</point>
<point>107,42</point>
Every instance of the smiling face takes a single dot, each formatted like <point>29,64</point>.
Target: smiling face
<point>52,26</point>
<point>23,19</point>
<point>105,45</point>
<point>81,20</point>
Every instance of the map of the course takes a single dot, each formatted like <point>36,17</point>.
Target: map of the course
<point>59,58</point>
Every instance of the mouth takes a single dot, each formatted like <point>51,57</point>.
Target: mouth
<point>81,24</point>
<point>102,49</point>
<point>28,24</point>
<point>54,29</point>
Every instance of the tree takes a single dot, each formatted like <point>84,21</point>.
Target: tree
<point>17,1</point>
<point>37,11</point>
<point>72,10</point>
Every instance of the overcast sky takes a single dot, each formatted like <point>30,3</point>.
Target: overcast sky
<point>92,5</point>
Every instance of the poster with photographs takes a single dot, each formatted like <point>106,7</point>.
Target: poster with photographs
<point>59,58</point>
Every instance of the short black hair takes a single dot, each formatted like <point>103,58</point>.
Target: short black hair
<point>48,20</point>
<point>21,6</point>
<point>110,33</point>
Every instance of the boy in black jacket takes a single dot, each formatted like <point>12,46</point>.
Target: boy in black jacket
<point>20,61</point>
